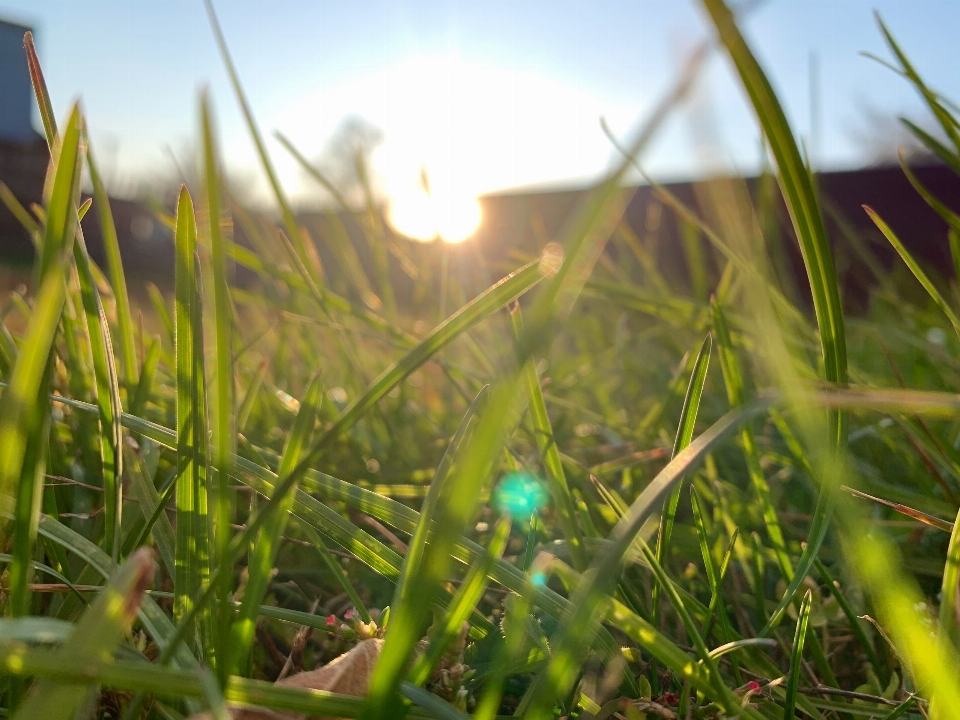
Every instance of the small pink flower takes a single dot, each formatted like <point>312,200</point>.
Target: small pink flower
<point>348,614</point>
<point>670,699</point>
<point>753,686</point>
<point>331,621</point>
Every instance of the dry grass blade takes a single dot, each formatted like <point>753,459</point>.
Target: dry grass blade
<point>923,517</point>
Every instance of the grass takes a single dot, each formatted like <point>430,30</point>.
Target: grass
<point>310,472</point>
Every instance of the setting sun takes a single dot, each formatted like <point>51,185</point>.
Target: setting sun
<point>452,217</point>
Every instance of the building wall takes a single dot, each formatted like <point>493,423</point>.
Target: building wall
<point>16,94</point>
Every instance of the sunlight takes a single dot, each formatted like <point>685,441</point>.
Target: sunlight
<point>431,167</point>
<point>474,127</point>
<point>452,217</point>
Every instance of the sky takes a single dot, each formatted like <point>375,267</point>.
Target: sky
<point>485,95</point>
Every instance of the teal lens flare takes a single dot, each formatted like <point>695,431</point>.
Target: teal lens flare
<point>520,494</point>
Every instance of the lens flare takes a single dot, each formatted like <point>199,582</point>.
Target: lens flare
<point>520,494</point>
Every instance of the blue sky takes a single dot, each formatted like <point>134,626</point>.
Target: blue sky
<point>487,95</point>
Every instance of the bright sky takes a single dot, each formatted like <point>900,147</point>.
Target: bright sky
<point>485,94</point>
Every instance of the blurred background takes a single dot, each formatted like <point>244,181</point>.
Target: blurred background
<point>456,106</point>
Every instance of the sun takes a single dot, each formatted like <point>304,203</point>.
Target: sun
<point>452,217</point>
<point>433,159</point>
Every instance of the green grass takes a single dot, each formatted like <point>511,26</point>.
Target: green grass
<point>178,512</point>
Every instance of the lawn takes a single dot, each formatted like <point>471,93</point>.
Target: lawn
<point>592,491</point>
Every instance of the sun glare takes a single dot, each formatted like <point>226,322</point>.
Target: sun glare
<point>452,217</point>
<point>432,166</point>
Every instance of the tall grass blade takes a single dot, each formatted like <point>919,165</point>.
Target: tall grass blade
<point>225,411</point>
<point>915,268</point>
<point>192,558</point>
<point>24,407</point>
<point>304,259</point>
<point>126,349</point>
<point>98,329</point>
<point>108,398</point>
<point>260,564</point>
<point>40,88</point>
<point>798,192</point>
<point>715,576</point>
<point>947,157</point>
<point>943,116</point>
<point>688,421</point>
<point>148,376</point>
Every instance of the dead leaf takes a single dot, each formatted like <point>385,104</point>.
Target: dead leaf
<point>348,674</point>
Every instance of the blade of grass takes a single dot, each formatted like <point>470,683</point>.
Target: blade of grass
<point>22,215</point>
<point>260,564</point>
<point>49,571</point>
<point>302,258</point>
<point>250,398</point>
<point>688,421</point>
<point>495,297</point>
<point>99,631</point>
<point>154,620</point>
<point>550,455</point>
<point>145,493</point>
<point>947,123</point>
<point>148,376</point>
<point>910,512</point>
<point>97,326</point>
<point>947,156</point>
<point>108,398</point>
<point>343,579</point>
<point>798,192</point>
<point>915,268</point>
<point>470,592</point>
<point>192,559</point>
<point>900,709</point>
<point>24,408</point>
<point>796,657</point>
<point>714,577</point>
<point>111,246</point>
<point>160,308</point>
<point>733,380</point>
<point>225,431</point>
<point>18,660</point>
<point>406,586</point>
<point>40,88</point>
